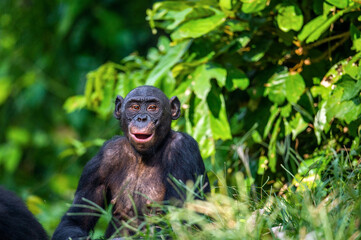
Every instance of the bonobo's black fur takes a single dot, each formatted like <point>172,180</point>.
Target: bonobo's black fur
<point>128,168</point>
<point>16,221</point>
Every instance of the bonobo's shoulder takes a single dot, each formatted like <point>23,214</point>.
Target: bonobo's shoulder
<point>114,146</point>
<point>114,141</point>
<point>182,138</point>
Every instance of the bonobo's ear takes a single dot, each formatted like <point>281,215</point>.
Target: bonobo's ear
<point>174,107</point>
<point>118,105</point>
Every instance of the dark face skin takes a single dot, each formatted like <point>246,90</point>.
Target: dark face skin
<point>146,115</point>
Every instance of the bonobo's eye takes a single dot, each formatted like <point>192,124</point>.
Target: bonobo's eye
<point>152,108</point>
<point>135,107</point>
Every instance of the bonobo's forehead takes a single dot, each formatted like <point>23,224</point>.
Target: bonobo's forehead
<point>145,93</point>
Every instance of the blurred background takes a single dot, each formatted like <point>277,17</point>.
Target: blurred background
<point>46,50</point>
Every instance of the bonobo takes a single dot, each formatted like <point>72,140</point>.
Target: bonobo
<point>16,221</point>
<point>133,171</point>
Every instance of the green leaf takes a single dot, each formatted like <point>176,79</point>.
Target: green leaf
<point>275,88</point>
<point>297,125</point>
<point>314,29</point>
<point>294,86</point>
<point>272,154</point>
<point>202,76</point>
<point>356,38</point>
<point>202,130</point>
<point>286,110</point>
<point>258,50</point>
<point>351,88</point>
<point>173,55</point>
<point>262,165</point>
<point>123,85</point>
<point>225,4</point>
<point>5,89</point>
<point>320,122</point>
<point>218,115</point>
<point>198,27</point>
<point>74,103</point>
<point>285,85</point>
<point>19,136</point>
<point>106,105</point>
<point>10,156</point>
<point>236,79</point>
<point>290,18</point>
<point>274,113</point>
<point>339,3</point>
<point>168,14</point>
<point>311,27</point>
<point>252,6</point>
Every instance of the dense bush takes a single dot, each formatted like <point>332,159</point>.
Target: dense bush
<point>263,84</point>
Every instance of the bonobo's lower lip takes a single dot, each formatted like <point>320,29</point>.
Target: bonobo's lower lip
<point>141,137</point>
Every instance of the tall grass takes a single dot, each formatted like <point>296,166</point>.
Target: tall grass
<point>328,207</point>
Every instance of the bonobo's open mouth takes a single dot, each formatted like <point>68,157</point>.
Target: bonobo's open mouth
<point>141,137</point>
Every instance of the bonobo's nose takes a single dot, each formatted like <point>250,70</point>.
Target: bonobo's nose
<point>142,118</point>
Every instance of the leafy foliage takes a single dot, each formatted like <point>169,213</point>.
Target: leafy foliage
<point>236,63</point>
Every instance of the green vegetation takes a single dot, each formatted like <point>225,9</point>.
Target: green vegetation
<point>271,91</point>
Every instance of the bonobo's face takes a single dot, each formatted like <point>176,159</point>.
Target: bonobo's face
<point>146,115</point>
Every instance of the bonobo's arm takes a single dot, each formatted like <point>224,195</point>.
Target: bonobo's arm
<point>91,187</point>
<point>185,163</point>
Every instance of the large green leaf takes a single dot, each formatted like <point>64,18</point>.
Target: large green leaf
<point>218,115</point>
<point>202,76</point>
<point>289,18</point>
<point>173,55</point>
<point>252,6</point>
<point>313,30</point>
<point>285,85</point>
<point>236,79</point>
<point>294,86</point>
<point>198,27</point>
<point>351,88</point>
<point>311,27</point>
<point>339,3</point>
<point>168,14</point>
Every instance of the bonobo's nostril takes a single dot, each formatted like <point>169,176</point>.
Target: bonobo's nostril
<point>142,118</point>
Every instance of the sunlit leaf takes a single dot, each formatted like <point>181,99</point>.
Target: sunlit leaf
<point>262,165</point>
<point>252,6</point>
<point>236,79</point>
<point>173,55</point>
<point>311,27</point>
<point>202,76</point>
<point>339,3</point>
<point>218,116</point>
<point>198,27</point>
<point>315,28</point>
<point>10,156</point>
<point>289,18</point>
<point>356,38</point>
<point>74,103</point>
<point>285,85</point>
<point>272,153</point>
<point>17,135</point>
<point>294,86</point>
<point>297,125</point>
